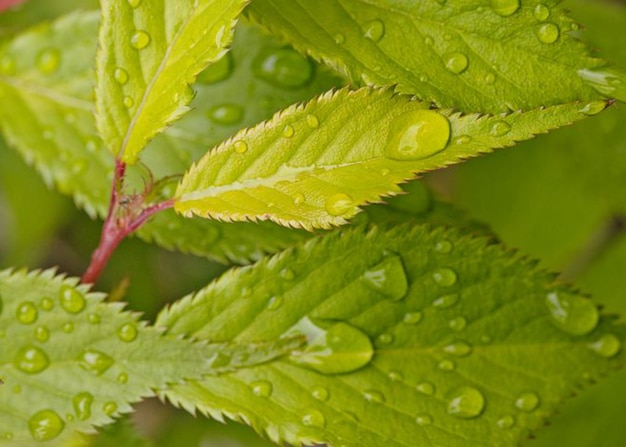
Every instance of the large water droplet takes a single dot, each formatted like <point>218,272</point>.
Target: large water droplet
<point>71,300</point>
<point>217,71</point>
<point>331,349</point>
<point>45,425</point>
<point>465,402</point>
<point>572,313</point>
<point>226,114</point>
<point>127,332</point>
<point>140,40</point>
<point>527,402</point>
<point>607,346</point>
<point>261,388</point>
<point>282,67</point>
<point>607,81</point>
<point>26,313</point>
<point>48,61</point>
<point>320,393</point>
<point>505,8</point>
<point>95,362</point>
<point>314,418</point>
<point>541,12</point>
<point>374,396</point>
<point>500,128</point>
<point>31,360</point>
<point>388,278</point>
<point>459,349</point>
<point>423,419</point>
<point>42,334</point>
<point>456,63</point>
<point>339,204</point>
<point>446,301</point>
<point>374,30</point>
<point>121,76</point>
<point>82,405</point>
<point>593,108</point>
<point>417,135</point>
<point>548,33</point>
<point>445,277</point>
<point>412,318</point>
<point>426,388</point>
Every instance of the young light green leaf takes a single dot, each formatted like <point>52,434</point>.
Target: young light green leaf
<point>149,54</point>
<point>71,362</point>
<point>418,336</point>
<point>473,55</point>
<point>312,166</point>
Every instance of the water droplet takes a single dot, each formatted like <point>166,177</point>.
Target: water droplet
<point>465,402</point>
<point>412,318</point>
<point>572,313</point>
<point>122,378</point>
<point>445,277</point>
<point>424,78</point>
<point>608,345</point>
<point>506,422</point>
<point>128,102</point>
<point>339,38</point>
<point>240,146</point>
<point>527,402</point>
<point>607,81</point>
<point>314,418</point>
<point>385,339</point>
<point>444,246</point>
<point>462,139</point>
<point>505,8</point>
<point>93,318</point>
<point>417,135</point>
<point>312,121</point>
<point>374,30</point>
<point>428,41</point>
<point>109,408</point>
<point>217,71</point>
<point>541,12</point>
<point>395,376</point>
<point>423,419</point>
<point>287,274</point>
<point>459,349</point>
<point>339,204</point>
<point>331,349</point>
<point>275,302</point>
<point>68,327</point>
<point>31,360</point>
<point>26,313</point>
<point>388,278</point>
<point>288,131</point>
<point>320,393</point>
<point>127,332</point>
<point>226,114</point>
<point>140,40</point>
<point>426,388</point>
<point>298,199</point>
<point>95,362</point>
<point>457,324</point>
<point>490,78</point>
<point>134,3</point>
<point>45,425</point>
<point>48,61</point>
<point>261,388</point>
<point>446,301</point>
<point>456,63</point>
<point>593,108</point>
<point>283,68</point>
<point>446,365</point>
<point>71,300</point>
<point>82,405</point>
<point>548,33</point>
<point>42,334</point>
<point>374,396</point>
<point>121,76</point>
<point>500,128</point>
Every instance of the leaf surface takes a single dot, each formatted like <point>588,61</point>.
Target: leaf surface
<point>312,166</point>
<point>150,53</point>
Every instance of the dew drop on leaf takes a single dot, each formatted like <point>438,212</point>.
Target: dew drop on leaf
<point>339,204</point>
<point>339,38</point>
<point>500,128</point>
<point>134,3</point>
<point>548,33</point>
<point>298,199</point>
<point>127,332</point>
<point>385,339</point>
<point>320,393</point>
<point>122,378</point>
<point>412,318</point>
<point>68,327</point>
<point>490,78</point>
<point>313,418</point>
<point>446,301</point>
<point>465,402</point>
<point>46,303</point>
<point>140,40</point>
<point>445,277</point>
<point>457,324</point>
<point>82,405</point>
<point>128,102</point>
<point>541,12</point>
<point>395,376</point>
<point>374,30</point>
<point>283,67</point>
<point>42,334</point>
<point>458,349</point>
<point>275,302</point>
<point>120,75</point>
<point>261,388</point>
<point>593,108</point>
<point>527,402</point>
<point>93,318</point>
<point>505,8</point>
<point>109,408</point>
<point>607,81</point>
<point>446,365</point>
<point>72,301</point>
<point>456,63</point>
<point>608,345</point>
<point>288,131</point>
<point>240,146</point>
<point>374,396</point>
<point>226,114</point>
<point>423,419</point>
<point>31,360</point>
<point>444,246</point>
<point>217,71</point>
<point>45,425</point>
<point>417,135</point>
<point>26,313</point>
<point>426,388</point>
<point>95,362</point>
<point>312,121</point>
<point>48,61</point>
<point>506,422</point>
<point>388,278</point>
<point>462,139</point>
<point>572,313</point>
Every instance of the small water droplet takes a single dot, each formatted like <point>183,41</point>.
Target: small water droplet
<point>445,277</point>
<point>395,376</point>
<point>412,318</point>
<point>320,393</point>
<point>374,396</point>
<point>128,102</point>
<point>505,8</point>
<point>283,67</point>
<point>122,378</point>
<point>608,345</point>
<point>339,38</point>
<point>462,139</point>
<point>31,360</point>
<point>541,12</point>
<point>241,147</point>
<point>134,3</point>
<point>217,71</point>
<point>127,332</point>
<point>506,422</point>
<point>457,324</point>
<point>500,128</point>
<point>593,108</point>
<point>93,318</point>
<point>423,419</point>
<point>388,278</point>
<point>444,246</point>
<point>312,121</point>
<point>26,313</point>
<point>314,418</point>
<point>374,30</point>
<point>121,76</point>
<point>48,61</point>
<point>572,313</point>
<point>417,135</point>
<point>490,78</point>
<point>339,204</point>
<point>465,402</point>
<point>426,388</point>
<point>72,301</point>
<point>459,349</point>
<point>140,40</point>
<point>82,405</point>
<point>109,408</point>
<point>527,402</point>
<point>288,131</point>
<point>287,274</point>
<point>456,63</point>
<point>95,362</point>
<point>42,334</point>
<point>385,339</point>
<point>226,114</point>
<point>45,425</point>
<point>261,388</point>
<point>298,199</point>
<point>446,301</point>
<point>548,33</point>
<point>446,365</point>
<point>275,302</point>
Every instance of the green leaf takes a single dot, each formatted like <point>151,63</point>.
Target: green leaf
<point>150,53</point>
<point>471,344</point>
<point>474,55</point>
<point>313,166</point>
<point>71,362</point>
